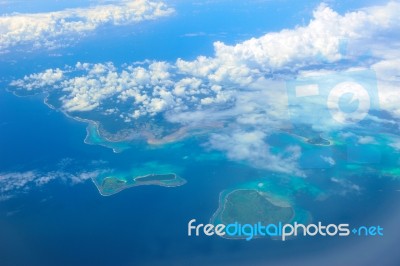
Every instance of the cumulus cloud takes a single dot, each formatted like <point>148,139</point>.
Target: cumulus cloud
<point>149,91</point>
<point>40,80</point>
<point>251,146</point>
<point>322,40</point>
<point>241,86</point>
<point>52,28</point>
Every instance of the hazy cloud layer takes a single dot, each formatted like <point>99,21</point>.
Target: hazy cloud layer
<point>14,182</point>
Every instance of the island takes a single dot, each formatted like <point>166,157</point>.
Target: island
<point>250,206</point>
<point>319,141</point>
<point>112,184</point>
<point>262,202</point>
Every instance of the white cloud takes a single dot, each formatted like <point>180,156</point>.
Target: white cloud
<point>40,80</point>
<point>251,147</point>
<point>50,29</point>
<point>151,90</point>
<point>329,160</point>
<point>366,140</point>
<point>11,181</point>
<point>347,186</point>
<point>321,40</point>
<point>14,182</point>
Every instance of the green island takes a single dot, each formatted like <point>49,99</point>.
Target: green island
<point>318,141</point>
<point>264,201</point>
<point>308,135</point>
<point>111,184</point>
<point>249,206</point>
